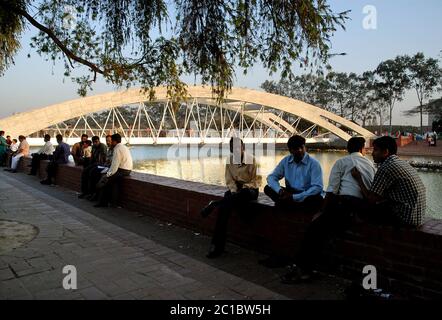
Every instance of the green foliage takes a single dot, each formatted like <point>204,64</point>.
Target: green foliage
<point>131,42</point>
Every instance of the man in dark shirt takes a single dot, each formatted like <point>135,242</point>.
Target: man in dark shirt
<point>98,159</point>
<point>397,194</point>
<point>60,156</point>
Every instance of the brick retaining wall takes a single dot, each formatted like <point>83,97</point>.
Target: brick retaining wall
<point>408,261</point>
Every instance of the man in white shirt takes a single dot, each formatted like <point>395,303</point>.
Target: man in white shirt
<point>45,153</point>
<point>23,151</point>
<point>342,200</point>
<point>121,166</point>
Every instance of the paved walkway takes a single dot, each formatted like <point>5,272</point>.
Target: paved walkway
<point>122,255</point>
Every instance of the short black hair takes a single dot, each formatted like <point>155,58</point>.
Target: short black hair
<point>84,135</point>
<point>95,138</point>
<point>88,142</point>
<point>355,144</point>
<point>386,143</point>
<point>15,140</point>
<point>21,137</point>
<point>116,137</point>
<point>47,137</point>
<point>109,136</point>
<point>2,133</point>
<point>232,140</point>
<point>295,142</point>
<point>59,137</point>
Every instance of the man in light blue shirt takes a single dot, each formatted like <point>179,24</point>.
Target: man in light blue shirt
<point>303,179</point>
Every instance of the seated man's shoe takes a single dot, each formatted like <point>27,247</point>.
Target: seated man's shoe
<point>13,171</point>
<point>82,195</point>
<point>207,210</point>
<point>296,276</point>
<point>101,205</point>
<point>32,174</point>
<point>46,182</point>
<point>7,169</point>
<point>274,262</point>
<point>214,252</point>
<point>92,197</point>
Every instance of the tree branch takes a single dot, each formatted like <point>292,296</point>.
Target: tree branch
<point>70,55</point>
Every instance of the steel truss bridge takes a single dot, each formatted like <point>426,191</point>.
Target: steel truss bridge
<point>255,116</point>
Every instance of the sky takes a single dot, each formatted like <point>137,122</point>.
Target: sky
<point>402,27</point>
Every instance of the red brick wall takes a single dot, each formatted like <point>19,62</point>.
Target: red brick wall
<point>408,261</point>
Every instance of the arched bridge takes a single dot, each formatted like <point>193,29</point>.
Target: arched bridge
<point>255,116</point>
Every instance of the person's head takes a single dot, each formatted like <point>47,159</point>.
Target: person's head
<point>84,137</point>
<point>356,144</point>
<point>59,138</point>
<point>87,143</point>
<point>383,147</point>
<point>237,147</point>
<point>296,145</point>
<point>21,138</point>
<point>96,140</point>
<point>8,137</point>
<point>116,139</point>
<point>109,140</point>
<point>2,133</point>
<point>14,140</point>
<point>47,138</point>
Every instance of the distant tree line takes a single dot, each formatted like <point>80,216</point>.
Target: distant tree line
<point>371,95</point>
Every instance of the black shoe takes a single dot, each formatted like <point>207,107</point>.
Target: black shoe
<point>274,262</point>
<point>32,174</point>
<point>101,205</point>
<point>214,252</point>
<point>7,169</point>
<point>296,276</point>
<point>207,210</point>
<point>13,171</point>
<point>82,195</point>
<point>92,197</point>
<point>46,182</point>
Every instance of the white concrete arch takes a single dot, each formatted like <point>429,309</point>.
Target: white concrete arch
<point>26,123</point>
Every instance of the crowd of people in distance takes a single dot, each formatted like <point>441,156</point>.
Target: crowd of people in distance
<point>104,165</point>
<point>388,191</point>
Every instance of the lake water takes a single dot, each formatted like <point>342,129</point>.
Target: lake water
<point>207,165</point>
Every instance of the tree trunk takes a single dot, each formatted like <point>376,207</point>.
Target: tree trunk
<point>421,112</point>
<point>391,116</point>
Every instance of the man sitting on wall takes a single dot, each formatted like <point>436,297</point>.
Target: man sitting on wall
<point>45,153</point>
<point>397,194</point>
<point>23,151</point>
<point>243,183</point>
<point>342,200</point>
<point>77,150</point>
<point>303,179</point>
<point>98,159</point>
<point>121,166</point>
<point>60,156</point>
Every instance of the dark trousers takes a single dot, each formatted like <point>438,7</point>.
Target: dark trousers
<point>336,217</point>
<point>109,191</point>
<point>310,204</point>
<point>225,206</point>
<point>89,178</point>
<point>35,162</point>
<point>51,170</point>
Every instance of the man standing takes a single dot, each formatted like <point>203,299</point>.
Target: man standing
<point>397,194</point>
<point>303,179</point>
<point>98,159</point>
<point>243,183</point>
<point>342,200</point>
<point>23,151</point>
<point>60,156</point>
<point>121,166</point>
<point>45,153</point>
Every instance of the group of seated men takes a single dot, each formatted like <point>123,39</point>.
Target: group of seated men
<point>393,194</point>
<point>102,172</point>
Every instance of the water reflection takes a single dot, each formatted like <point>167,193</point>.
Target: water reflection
<point>211,169</point>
